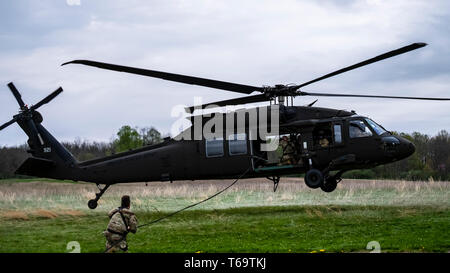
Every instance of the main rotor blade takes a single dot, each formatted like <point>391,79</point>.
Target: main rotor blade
<point>16,95</point>
<point>7,124</point>
<point>47,99</point>
<point>242,100</point>
<point>366,96</point>
<point>235,87</point>
<point>369,61</point>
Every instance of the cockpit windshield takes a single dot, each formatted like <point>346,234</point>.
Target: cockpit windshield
<point>377,128</point>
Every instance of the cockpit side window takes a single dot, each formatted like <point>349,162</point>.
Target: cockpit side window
<point>357,128</point>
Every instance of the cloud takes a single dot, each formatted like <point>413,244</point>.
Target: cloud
<point>250,42</point>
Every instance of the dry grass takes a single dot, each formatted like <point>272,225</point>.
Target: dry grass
<point>49,200</point>
<point>14,215</point>
<point>45,213</point>
<point>39,213</point>
<point>73,213</point>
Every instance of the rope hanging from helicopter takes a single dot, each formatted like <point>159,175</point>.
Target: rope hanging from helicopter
<point>185,208</point>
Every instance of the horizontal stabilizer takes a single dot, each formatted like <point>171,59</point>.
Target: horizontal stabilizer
<point>36,167</point>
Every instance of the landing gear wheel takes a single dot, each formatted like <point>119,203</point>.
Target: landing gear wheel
<point>92,204</point>
<point>314,178</point>
<point>329,185</point>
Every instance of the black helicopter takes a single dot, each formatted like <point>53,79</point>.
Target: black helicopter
<point>320,142</point>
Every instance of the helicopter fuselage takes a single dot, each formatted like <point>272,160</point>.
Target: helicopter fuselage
<point>320,138</point>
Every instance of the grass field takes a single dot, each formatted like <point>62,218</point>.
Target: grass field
<point>402,216</point>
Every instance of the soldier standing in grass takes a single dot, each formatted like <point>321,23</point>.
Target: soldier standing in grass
<point>122,222</point>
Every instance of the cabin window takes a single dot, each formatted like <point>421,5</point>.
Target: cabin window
<point>237,144</point>
<point>214,147</point>
<point>357,128</point>
<point>337,133</point>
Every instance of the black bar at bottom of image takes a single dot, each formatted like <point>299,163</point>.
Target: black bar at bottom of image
<point>225,262</point>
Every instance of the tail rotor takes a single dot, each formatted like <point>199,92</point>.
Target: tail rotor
<point>29,115</point>
<point>49,157</point>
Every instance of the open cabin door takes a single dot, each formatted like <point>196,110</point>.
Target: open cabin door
<point>276,152</point>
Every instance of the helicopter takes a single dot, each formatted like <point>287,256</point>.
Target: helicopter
<point>321,143</point>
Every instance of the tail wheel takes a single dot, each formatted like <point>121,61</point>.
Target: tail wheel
<point>314,178</point>
<point>92,204</point>
<point>329,185</point>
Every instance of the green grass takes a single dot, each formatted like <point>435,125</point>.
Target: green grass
<point>403,216</point>
<point>333,228</point>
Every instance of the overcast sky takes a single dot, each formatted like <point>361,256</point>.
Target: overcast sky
<point>249,42</point>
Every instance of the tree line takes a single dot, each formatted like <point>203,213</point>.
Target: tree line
<point>430,161</point>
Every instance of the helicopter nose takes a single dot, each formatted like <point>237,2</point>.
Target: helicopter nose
<point>406,148</point>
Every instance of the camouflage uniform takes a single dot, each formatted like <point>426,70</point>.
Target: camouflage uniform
<point>117,230</point>
<point>287,150</point>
